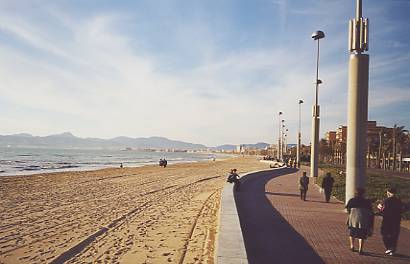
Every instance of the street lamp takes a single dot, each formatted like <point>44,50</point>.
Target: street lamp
<point>281,140</point>
<point>280,113</point>
<point>357,103</point>
<point>299,136</point>
<point>286,141</point>
<point>314,151</point>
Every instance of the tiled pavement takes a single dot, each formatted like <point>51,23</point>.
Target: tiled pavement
<point>280,228</point>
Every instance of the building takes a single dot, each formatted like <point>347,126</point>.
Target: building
<point>331,137</point>
<point>341,134</point>
<point>377,137</point>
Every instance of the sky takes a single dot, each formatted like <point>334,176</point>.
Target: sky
<point>211,72</point>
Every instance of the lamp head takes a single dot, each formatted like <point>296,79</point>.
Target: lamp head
<point>301,101</point>
<point>318,35</point>
<point>318,81</point>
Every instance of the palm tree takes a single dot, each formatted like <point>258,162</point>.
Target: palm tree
<point>325,150</point>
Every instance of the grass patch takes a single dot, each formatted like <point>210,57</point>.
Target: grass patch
<point>376,185</point>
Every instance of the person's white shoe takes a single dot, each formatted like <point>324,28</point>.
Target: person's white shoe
<point>388,251</point>
<point>391,253</point>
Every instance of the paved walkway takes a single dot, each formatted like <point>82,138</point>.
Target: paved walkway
<point>280,228</point>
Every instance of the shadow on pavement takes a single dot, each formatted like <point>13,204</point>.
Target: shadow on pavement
<point>282,194</point>
<point>268,236</point>
<point>384,256</point>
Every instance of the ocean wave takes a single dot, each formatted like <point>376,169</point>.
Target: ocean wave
<point>31,167</point>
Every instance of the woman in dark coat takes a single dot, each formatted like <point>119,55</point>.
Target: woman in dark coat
<point>360,220</point>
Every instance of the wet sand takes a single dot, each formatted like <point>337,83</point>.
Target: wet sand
<point>130,215</point>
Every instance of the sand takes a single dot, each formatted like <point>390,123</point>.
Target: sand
<point>130,215</point>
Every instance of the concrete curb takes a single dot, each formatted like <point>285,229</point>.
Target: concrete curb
<point>230,248</point>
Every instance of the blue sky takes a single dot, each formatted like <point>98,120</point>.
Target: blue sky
<point>210,72</point>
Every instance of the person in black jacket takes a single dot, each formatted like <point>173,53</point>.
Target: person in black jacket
<point>327,185</point>
<point>391,209</point>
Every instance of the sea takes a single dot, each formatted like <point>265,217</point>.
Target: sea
<point>26,161</point>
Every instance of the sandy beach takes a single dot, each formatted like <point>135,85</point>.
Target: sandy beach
<point>130,215</point>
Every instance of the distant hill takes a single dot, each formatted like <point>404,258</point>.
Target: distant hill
<point>68,140</point>
<point>260,145</point>
<point>225,147</point>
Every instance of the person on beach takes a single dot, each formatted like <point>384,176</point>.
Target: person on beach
<point>391,209</point>
<point>303,186</point>
<point>360,219</point>
<point>327,185</point>
<point>163,163</point>
<point>121,166</point>
<point>234,178</point>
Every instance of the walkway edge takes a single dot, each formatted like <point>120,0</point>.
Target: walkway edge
<point>230,248</point>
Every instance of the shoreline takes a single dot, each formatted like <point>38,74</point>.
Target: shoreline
<point>97,168</point>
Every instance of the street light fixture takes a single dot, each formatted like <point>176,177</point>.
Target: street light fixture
<point>314,151</point>
<point>299,135</point>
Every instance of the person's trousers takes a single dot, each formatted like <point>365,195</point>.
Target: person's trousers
<point>328,193</point>
<point>303,195</point>
<point>390,237</point>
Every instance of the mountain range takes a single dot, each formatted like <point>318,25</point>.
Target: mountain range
<point>68,140</point>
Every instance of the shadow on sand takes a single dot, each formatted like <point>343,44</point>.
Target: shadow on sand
<point>268,236</point>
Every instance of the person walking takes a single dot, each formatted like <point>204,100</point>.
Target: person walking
<point>327,185</point>
<point>303,186</point>
<point>391,209</point>
<point>360,219</point>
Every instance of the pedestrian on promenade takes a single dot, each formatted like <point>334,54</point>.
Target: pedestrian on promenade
<point>327,185</point>
<point>303,186</point>
<point>391,209</point>
<point>360,219</point>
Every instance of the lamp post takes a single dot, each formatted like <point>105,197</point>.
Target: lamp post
<point>357,103</point>
<point>314,150</point>
<point>279,134</point>
<point>281,140</point>
<point>299,136</point>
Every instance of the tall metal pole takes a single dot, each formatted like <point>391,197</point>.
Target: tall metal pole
<point>357,103</point>
<point>299,136</point>
<point>394,146</point>
<point>314,150</point>
<point>282,142</point>
<point>279,135</point>
<point>379,154</point>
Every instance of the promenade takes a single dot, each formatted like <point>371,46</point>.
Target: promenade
<point>280,228</point>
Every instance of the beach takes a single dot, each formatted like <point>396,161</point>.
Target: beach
<point>148,214</point>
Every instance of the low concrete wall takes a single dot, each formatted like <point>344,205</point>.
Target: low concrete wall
<point>230,247</point>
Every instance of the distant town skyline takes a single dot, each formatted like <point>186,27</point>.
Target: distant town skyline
<point>212,72</point>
